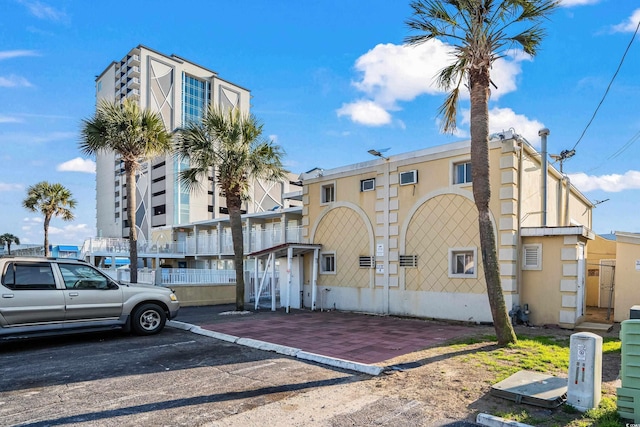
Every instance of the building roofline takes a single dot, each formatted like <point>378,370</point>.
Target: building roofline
<point>173,57</point>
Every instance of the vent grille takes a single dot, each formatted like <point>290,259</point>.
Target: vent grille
<point>366,262</point>
<point>408,260</point>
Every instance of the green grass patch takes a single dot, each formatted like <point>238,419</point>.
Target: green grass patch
<point>545,354</point>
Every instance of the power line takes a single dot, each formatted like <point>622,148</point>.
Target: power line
<point>608,87</point>
<point>620,150</point>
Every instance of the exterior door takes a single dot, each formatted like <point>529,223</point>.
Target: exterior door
<point>580,297</point>
<point>30,295</point>
<point>607,275</point>
<point>89,294</point>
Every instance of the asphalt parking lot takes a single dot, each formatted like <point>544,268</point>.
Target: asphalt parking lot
<point>174,378</point>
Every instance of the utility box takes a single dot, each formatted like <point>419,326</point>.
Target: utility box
<point>634,312</point>
<point>629,394</point>
<point>585,371</point>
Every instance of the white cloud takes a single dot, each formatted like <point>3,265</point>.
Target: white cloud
<point>629,25</point>
<point>10,187</point>
<point>273,138</point>
<point>365,112</point>
<point>501,119</point>
<point>44,11</point>
<point>571,3</point>
<point>9,119</point>
<point>40,138</point>
<point>14,81</point>
<point>610,183</point>
<point>77,165</point>
<point>8,54</point>
<point>392,73</point>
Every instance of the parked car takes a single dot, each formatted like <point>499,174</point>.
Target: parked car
<point>44,296</point>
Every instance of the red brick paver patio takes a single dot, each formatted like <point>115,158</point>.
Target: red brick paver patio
<point>349,336</point>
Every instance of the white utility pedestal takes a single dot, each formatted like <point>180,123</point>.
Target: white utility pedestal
<point>585,371</point>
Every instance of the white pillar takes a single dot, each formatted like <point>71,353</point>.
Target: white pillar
<point>289,266</point>
<point>255,283</point>
<point>314,280</point>
<point>273,281</point>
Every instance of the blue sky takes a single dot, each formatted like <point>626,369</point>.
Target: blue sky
<point>330,79</point>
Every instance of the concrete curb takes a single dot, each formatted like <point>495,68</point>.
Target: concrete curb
<point>493,421</point>
<point>267,346</point>
<point>340,363</point>
<point>180,325</point>
<point>280,349</point>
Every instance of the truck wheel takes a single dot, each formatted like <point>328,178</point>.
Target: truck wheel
<point>148,319</point>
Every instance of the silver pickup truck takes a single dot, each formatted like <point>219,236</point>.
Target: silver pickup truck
<point>45,296</point>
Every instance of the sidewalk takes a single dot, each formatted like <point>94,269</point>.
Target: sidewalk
<point>364,342</point>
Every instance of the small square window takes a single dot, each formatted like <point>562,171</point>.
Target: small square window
<point>462,173</point>
<point>368,184</point>
<point>328,263</point>
<point>462,262</point>
<point>328,193</point>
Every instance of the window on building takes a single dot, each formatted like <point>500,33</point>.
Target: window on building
<point>368,184</point>
<point>328,193</point>
<point>462,173</point>
<point>195,97</point>
<point>328,263</point>
<point>159,210</point>
<point>462,262</point>
<point>408,177</point>
<point>532,257</point>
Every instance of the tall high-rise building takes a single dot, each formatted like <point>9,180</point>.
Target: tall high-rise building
<point>180,92</point>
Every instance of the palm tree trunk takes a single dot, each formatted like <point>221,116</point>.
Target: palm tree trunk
<point>234,204</point>
<point>47,220</point>
<point>479,81</point>
<point>131,220</point>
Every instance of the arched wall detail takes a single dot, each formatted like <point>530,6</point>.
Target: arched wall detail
<point>439,222</point>
<point>345,229</point>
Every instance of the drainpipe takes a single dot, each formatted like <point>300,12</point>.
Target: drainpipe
<point>520,146</point>
<point>566,202</point>
<point>543,133</point>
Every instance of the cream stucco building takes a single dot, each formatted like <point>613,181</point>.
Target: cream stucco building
<point>399,235</point>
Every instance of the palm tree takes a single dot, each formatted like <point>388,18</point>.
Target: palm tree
<point>231,144</point>
<point>481,31</point>
<point>50,200</point>
<point>8,239</point>
<point>134,134</point>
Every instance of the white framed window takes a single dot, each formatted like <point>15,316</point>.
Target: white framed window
<point>532,256</point>
<point>368,184</point>
<point>409,177</point>
<point>328,263</point>
<point>328,193</point>
<point>462,172</point>
<point>462,263</point>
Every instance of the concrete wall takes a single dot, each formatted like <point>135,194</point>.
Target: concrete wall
<point>598,249</point>
<point>627,277</point>
<point>192,295</point>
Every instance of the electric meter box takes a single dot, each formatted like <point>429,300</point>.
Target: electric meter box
<point>585,371</point>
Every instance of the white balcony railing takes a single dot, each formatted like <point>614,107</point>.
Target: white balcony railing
<point>209,243</point>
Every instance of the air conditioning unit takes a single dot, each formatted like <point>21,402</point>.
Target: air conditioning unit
<point>408,177</point>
